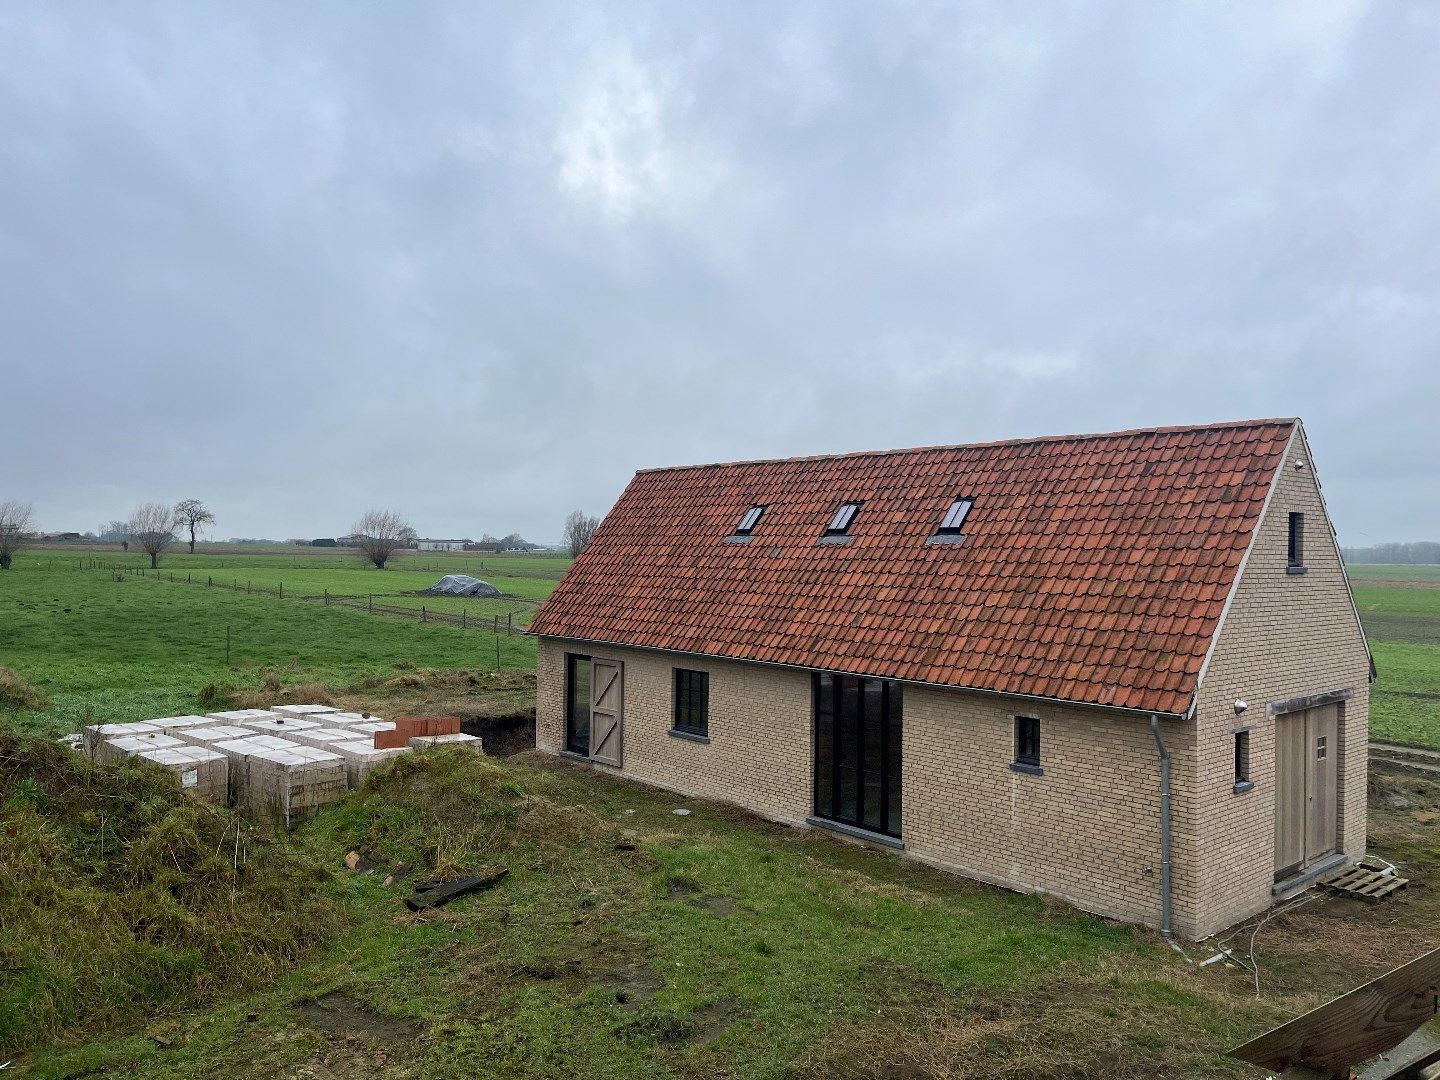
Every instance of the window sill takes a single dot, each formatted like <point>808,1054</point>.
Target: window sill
<point>1295,570</point>
<point>737,538</point>
<point>839,540</point>
<point>689,736</point>
<point>1031,770</point>
<point>1242,786</point>
<point>945,538</point>
<point>856,832</point>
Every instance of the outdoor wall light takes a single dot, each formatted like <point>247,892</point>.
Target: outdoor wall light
<point>1241,705</point>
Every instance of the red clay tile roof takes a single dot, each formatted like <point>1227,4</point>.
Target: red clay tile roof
<point>1094,567</point>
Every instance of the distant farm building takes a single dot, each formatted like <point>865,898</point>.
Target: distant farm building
<point>1124,669</point>
<point>441,545</point>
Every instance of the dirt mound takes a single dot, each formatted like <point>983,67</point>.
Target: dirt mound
<point>449,810</point>
<point>119,894</point>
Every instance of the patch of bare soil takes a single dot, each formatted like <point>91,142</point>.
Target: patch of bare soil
<point>632,985</point>
<point>503,736</point>
<point>341,1014</point>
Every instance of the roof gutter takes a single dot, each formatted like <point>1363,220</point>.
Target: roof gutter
<point>1165,909</point>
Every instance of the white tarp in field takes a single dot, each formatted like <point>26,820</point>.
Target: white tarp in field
<point>462,585</point>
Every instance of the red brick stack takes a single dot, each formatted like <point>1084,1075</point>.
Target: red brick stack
<point>410,727</point>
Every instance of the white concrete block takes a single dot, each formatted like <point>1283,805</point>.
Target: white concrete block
<point>203,773</point>
<point>239,716</point>
<point>172,724</point>
<point>369,727</point>
<point>361,757</point>
<point>326,737</point>
<point>278,725</point>
<point>345,719</point>
<point>303,711</point>
<point>239,750</point>
<point>123,746</point>
<point>215,733</point>
<point>285,786</point>
<point>99,733</point>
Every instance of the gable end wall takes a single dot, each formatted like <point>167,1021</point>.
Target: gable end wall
<point>1285,636</point>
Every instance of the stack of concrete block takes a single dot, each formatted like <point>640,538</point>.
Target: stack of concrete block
<point>361,757</point>
<point>96,735</point>
<point>303,712</point>
<point>171,724</point>
<point>454,738</point>
<point>209,736</point>
<point>284,786</point>
<point>283,726</point>
<point>327,737</point>
<point>345,719</point>
<point>238,716</point>
<point>203,773</point>
<point>118,747</point>
<point>238,751</point>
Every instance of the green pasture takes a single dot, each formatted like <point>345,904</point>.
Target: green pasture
<point>1402,624</point>
<point>109,650</point>
<point>1392,572</point>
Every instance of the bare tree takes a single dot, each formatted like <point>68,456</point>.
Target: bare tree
<point>15,528</point>
<point>191,514</point>
<point>578,530</point>
<point>149,527</point>
<point>381,533</point>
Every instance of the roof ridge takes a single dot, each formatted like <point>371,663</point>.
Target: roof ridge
<point>1029,440</point>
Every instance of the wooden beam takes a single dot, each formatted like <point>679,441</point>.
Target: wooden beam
<point>1354,1027</point>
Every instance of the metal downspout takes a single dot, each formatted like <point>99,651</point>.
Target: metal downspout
<point>1165,927</point>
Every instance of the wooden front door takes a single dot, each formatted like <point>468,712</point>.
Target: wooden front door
<point>1305,788</point>
<point>607,711</point>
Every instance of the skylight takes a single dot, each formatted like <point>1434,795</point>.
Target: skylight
<point>749,521</point>
<point>840,523</point>
<point>955,516</point>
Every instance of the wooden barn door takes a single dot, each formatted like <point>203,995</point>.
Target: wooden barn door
<point>607,711</point>
<point>1306,781</point>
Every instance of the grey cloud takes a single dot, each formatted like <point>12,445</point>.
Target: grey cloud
<point>301,260</point>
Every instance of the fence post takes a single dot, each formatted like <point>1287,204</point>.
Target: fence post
<point>464,620</point>
<point>370,604</point>
<point>282,590</point>
<point>227,646</point>
<point>422,612</point>
<point>509,622</point>
<point>187,577</point>
<point>327,597</point>
<point>497,652</point>
<point>209,580</point>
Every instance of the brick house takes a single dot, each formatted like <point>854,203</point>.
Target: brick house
<point>1125,670</point>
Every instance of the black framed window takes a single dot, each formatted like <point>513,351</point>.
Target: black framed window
<point>858,751</point>
<point>577,704</point>
<point>843,519</point>
<point>1242,758</point>
<point>692,702</point>
<point>1296,543</point>
<point>954,519</point>
<point>1027,741</point>
<point>749,520</point>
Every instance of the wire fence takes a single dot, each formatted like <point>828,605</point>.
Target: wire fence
<point>497,624</point>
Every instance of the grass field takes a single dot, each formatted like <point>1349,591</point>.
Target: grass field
<point>629,942</point>
<point>1401,614</point>
<point>107,650</point>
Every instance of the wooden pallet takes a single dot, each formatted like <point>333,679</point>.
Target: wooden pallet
<point>1365,883</point>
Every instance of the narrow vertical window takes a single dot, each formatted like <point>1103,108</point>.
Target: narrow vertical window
<point>1027,744</point>
<point>692,702</point>
<point>1242,761</point>
<point>1297,542</point>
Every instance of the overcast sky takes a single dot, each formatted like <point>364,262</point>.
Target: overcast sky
<point>479,263</point>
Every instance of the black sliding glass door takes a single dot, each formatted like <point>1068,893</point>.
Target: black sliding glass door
<point>857,751</point>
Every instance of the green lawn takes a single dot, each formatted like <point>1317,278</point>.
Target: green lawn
<point>1403,625</point>
<point>135,649</point>
<point>629,942</point>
